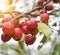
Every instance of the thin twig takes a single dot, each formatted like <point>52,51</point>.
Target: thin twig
<point>37,8</point>
<point>29,12</point>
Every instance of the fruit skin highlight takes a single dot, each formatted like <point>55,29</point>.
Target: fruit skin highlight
<point>8,28</point>
<point>42,11</point>
<point>17,34</point>
<point>32,24</point>
<point>25,29</point>
<point>6,18</point>
<point>29,40</point>
<point>23,23</point>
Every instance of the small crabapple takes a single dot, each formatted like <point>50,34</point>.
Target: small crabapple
<point>40,2</point>
<point>8,28</point>
<point>48,7</point>
<point>25,29</point>
<point>7,17</point>
<point>55,1</point>
<point>44,17</point>
<point>17,34</point>
<point>33,31</point>
<point>29,40</point>
<point>32,24</point>
<point>23,23</point>
<point>5,38</point>
<point>42,11</point>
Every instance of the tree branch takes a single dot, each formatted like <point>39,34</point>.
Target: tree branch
<point>29,12</point>
<point>37,8</point>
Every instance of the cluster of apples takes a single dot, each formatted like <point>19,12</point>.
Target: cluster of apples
<point>43,12</point>
<point>44,15</point>
<point>16,29</point>
<point>48,7</point>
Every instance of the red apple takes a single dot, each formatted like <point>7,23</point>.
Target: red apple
<point>29,40</point>
<point>55,1</point>
<point>49,7</point>
<point>44,17</point>
<point>40,2</point>
<point>33,31</point>
<point>7,17</point>
<point>23,23</point>
<point>42,11</point>
<point>5,38</point>
<point>32,24</point>
<point>25,29</point>
<point>17,34</point>
<point>8,28</point>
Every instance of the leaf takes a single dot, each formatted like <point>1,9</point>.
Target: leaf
<point>44,29</point>
<point>56,50</point>
<point>57,14</point>
<point>44,40</point>
<point>6,47</point>
<point>59,32</point>
<point>40,46</point>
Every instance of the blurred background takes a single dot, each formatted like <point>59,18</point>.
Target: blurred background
<point>12,47</point>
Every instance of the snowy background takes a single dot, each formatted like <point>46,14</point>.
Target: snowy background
<point>48,46</point>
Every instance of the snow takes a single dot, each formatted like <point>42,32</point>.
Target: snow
<point>47,47</point>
